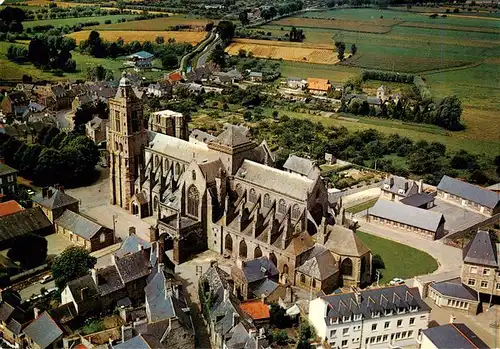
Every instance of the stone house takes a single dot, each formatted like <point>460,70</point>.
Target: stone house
<point>469,196</point>
<point>59,98</point>
<point>15,103</point>
<point>249,275</point>
<point>95,129</point>
<point>81,101</point>
<point>8,179</point>
<point>54,201</point>
<point>480,268</point>
<point>429,224</point>
<point>160,89</point>
<point>301,166</point>
<point>320,272</point>
<point>12,322</point>
<point>258,312</point>
<point>296,83</point>
<point>29,221</point>
<point>83,231</point>
<point>395,188</point>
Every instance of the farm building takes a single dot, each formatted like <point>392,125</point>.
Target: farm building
<point>318,86</point>
<point>140,60</point>
<point>255,76</point>
<point>468,195</point>
<point>427,223</point>
<point>295,83</point>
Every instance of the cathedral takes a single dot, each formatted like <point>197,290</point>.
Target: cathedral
<point>223,193</point>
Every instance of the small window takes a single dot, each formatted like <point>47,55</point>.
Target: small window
<point>471,282</point>
<point>193,175</point>
<point>102,238</point>
<point>374,327</point>
<point>400,323</point>
<point>344,343</point>
<point>412,321</point>
<point>345,331</point>
<point>387,324</point>
<point>486,271</point>
<point>498,286</point>
<point>302,279</point>
<point>484,284</point>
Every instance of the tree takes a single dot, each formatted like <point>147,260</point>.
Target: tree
<point>306,333</point>
<point>160,40</point>
<point>341,51</point>
<point>243,16</point>
<point>277,315</point>
<point>226,30</point>
<point>448,113</point>
<point>169,60</point>
<point>72,263</point>
<point>354,49</point>
<point>29,250</point>
<point>218,56</point>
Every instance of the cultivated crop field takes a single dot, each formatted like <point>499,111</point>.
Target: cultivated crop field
<point>59,22</point>
<point>146,35</point>
<point>374,26</point>
<point>289,51</point>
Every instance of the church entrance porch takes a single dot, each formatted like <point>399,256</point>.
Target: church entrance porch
<point>183,235</point>
<point>139,206</point>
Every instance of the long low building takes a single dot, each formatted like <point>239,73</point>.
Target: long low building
<point>468,195</point>
<point>414,219</point>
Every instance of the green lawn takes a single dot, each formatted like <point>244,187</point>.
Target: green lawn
<point>400,260</point>
<point>59,22</point>
<point>362,206</point>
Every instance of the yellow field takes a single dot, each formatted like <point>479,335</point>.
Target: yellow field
<point>288,51</point>
<point>128,35</point>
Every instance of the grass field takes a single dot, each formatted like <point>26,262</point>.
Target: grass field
<point>375,26</point>
<point>362,206</point>
<point>155,24</point>
<point>289,51</point>
<point>71,21</point>
<point>400,260</point>
<point>145,35</point>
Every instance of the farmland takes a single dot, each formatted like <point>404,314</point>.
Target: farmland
<point>289,51</point>
<point>156,24</point>
<point>59,22</point>
<point>141,36</point>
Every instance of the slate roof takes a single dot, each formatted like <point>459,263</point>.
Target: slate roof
<point>58,199</point>
<point>9,207</point>
<point>142,55</point>
<point>409,215</point>
<point>290,184</point>
<point>396,183</point>
<point>481,250</point>
<point>417,200</point>
<point>78,224</point>
<point>59,91</point>
<point>201,136</point>
<point>320,266</point>
<point>142,341</point>
<point>456,335</point>
<point>456,290</point>
<point>266,287</point>
<point>23,222</point>
<point>469,191</point>
<point>43,330</point>
<point>255,74</point>
<point>6,170</point>
<point>495,187</point>
<point>6,311</point>
<point>83,99</point>
<point>131,245</point>
<point>133,266</point>
<point>95,123</point>
<point>18,98</point>
<point>232,136</point>
<point>85,282</point>
<point>300,165</point>
<point>345,242</point>
<point>258,269</point>
<point>108,280</point>
<point>374,300</point>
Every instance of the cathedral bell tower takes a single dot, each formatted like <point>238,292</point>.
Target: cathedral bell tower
<point>126,138</point>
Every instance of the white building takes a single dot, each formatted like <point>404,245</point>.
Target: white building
<point>386,318</point>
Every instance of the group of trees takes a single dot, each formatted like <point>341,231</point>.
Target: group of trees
<point>428,160</point>
<point>73,263</point>
<point>99,73</point>
<point>56,157</point>
<point>11,20</point>
<point>340,48</point>
<point>225,29</point>
<point>296,35</point>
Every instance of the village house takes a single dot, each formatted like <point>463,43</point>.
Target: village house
<point>15,103</point>
<point>140,61</point>
<point>469,196</point>
<point>318,86</point>
<point>44,332</point>
<point>84,232</point>
<point>8,179</point>
<point>319,273</point>
<point>95,129</point>
<point>12,322</point>
<point>9,207</point>
<point>34,110</point>
<point>174,78</point>
<point>226,78</point>
<point>258,311</point>
<point>58,98</point>
<point>29,221</point>
<point>255,76</point>
<point>429,224</point>
<point>452,335</point>
<point>160,89</point>
<point>54,201</point>
<point>296,83</point>
<point>81,101</point>
<point>406,191</point>
<point>249,275</point>
<point>361,319</point>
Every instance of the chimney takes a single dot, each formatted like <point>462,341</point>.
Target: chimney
<point>161,267</point>
<point>93,273</point>
<point>140,247</point>
<point>131,231</point>
<point>452,319</point>
<point>260,338</point>
<point>252,332</point>
<point>226,295</point>
<point>213,263</point>
<point>36,312</point>
<point>49,193</point>
<point>263,298</point>
<point>420,186</point>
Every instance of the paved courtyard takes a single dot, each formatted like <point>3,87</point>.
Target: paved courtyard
<point>457,218</point>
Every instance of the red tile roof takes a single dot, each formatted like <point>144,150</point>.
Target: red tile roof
<point>175,76</point>
<point>9,207</point>
<point>256,309</point>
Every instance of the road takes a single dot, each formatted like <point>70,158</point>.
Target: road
<point>202,60</point>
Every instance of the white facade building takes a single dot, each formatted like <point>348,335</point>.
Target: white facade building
<point>382,318</point>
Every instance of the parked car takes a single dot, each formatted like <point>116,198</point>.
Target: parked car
<point>396,281</point>
<point>46,279</point>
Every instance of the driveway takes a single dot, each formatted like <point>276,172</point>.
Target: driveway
<point>449,258</point>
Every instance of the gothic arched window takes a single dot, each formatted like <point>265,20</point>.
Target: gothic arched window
<point>165,163</point>
<point>282,206</point>
<point>177,169</point>
<point>267,200</point>
<point>252,197</point>
<point>193,201</point>
<point>155,203</point>
<point>295,211</point>
<point>193,175</point>
<point>243,249</point>
<point>346,267</point>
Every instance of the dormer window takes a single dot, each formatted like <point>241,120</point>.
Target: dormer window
<point>357,317</point>
<point>401,310</point>
<point>387,186</point>
<point>401,191</point>
<point>346,319</point>
<point>334,321</point>
<point>413,308</point>
<point>376,314</point>
<point>388,312</point>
